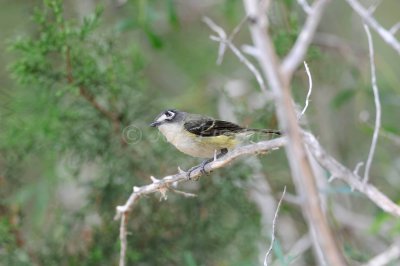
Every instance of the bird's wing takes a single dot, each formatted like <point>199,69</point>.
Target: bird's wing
<point>207,127</point>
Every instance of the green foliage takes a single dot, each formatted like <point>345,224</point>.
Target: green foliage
<point>80,89</point>
<point>75,136</point>
<point>343,97</point>
<point>10,252</point>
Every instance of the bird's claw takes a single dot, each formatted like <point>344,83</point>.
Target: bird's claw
<point>202,170</point>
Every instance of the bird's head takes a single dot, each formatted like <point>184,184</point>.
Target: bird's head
<point>167,116</point>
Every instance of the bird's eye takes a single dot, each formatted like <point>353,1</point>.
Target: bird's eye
<point>169,114</point>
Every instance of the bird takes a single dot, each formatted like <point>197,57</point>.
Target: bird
<point>202,136</point>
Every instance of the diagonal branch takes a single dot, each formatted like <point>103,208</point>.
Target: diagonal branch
<point>386,35</point>
<point>255,148</point>
<point>389,255</point>
<point>350,177</point>
<point>164,184</point>
<point>224,42</point>
<point>299,50</point>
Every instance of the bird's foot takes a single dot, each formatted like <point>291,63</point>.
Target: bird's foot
<point>202,170</point>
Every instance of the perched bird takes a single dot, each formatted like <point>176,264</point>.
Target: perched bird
<point>202,136</point>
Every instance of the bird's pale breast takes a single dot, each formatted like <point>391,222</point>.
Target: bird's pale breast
<point>193,145</point>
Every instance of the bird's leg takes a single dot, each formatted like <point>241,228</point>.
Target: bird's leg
<point>221,153</point>
<point>202,166</point>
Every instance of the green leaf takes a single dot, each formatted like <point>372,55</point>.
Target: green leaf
<point>189,259</point>
<point>343,97</point>
<point>172,14</point>
<point>154,39</point>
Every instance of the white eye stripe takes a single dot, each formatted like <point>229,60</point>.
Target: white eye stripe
<point>168,115</point>
<point>162,118</point>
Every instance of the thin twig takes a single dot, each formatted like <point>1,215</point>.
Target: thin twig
<point>392,253</point>
<point>222,34</point>
<point>237,28</point>
<point>224,41</point>
<point>377,105</point>
<point>123,239</point>
<point>273,227</point>
<point>357,168</point>
<point>345,174</point>
<point>183,193</point>
<point>386,35</point>
<point>305,6</point>
<point>310,85</point>
<point>297,249</point>
<point>374,6</point>
<point>390,136</point>
<point>297,53</point>
<point>393,30</point>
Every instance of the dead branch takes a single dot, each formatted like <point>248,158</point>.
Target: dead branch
<point>296,55</point>
<point>279,78</point>
<point>339,171</point>
<point>273,228</point>
<point>377,105</point>
<point>392,253</point>
<point>224,41</point>
<point>386,35</point>
<point>310,85</point>
<point>164,184</point>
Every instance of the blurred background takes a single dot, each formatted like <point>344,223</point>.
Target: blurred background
<point>81,80</point>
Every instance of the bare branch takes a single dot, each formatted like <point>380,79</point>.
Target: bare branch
<point>309,89</point>
<point>273,228</point>
<point>322,157</point>
<point>301,246</point>
<point>222,35</point>
<point>392,253</point>
<point>377,105</point>
<point>301,170</point>
<point>393,30</point>
<point>390,136</point>
<point>340,171</point>
<point>357,168</point>
<point>374,6</point>
<point>123,239</point>
<point>296,55</point>
<point>386,35</point>
<point>164,184</point>
<point>224,41</point>
<point>305,6</point>
<point>183,193</point>
<point>237,29</point>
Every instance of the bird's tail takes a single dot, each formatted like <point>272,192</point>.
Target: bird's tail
<point>265,131</point>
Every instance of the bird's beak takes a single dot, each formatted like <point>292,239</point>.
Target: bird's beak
<point>155,124</point>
